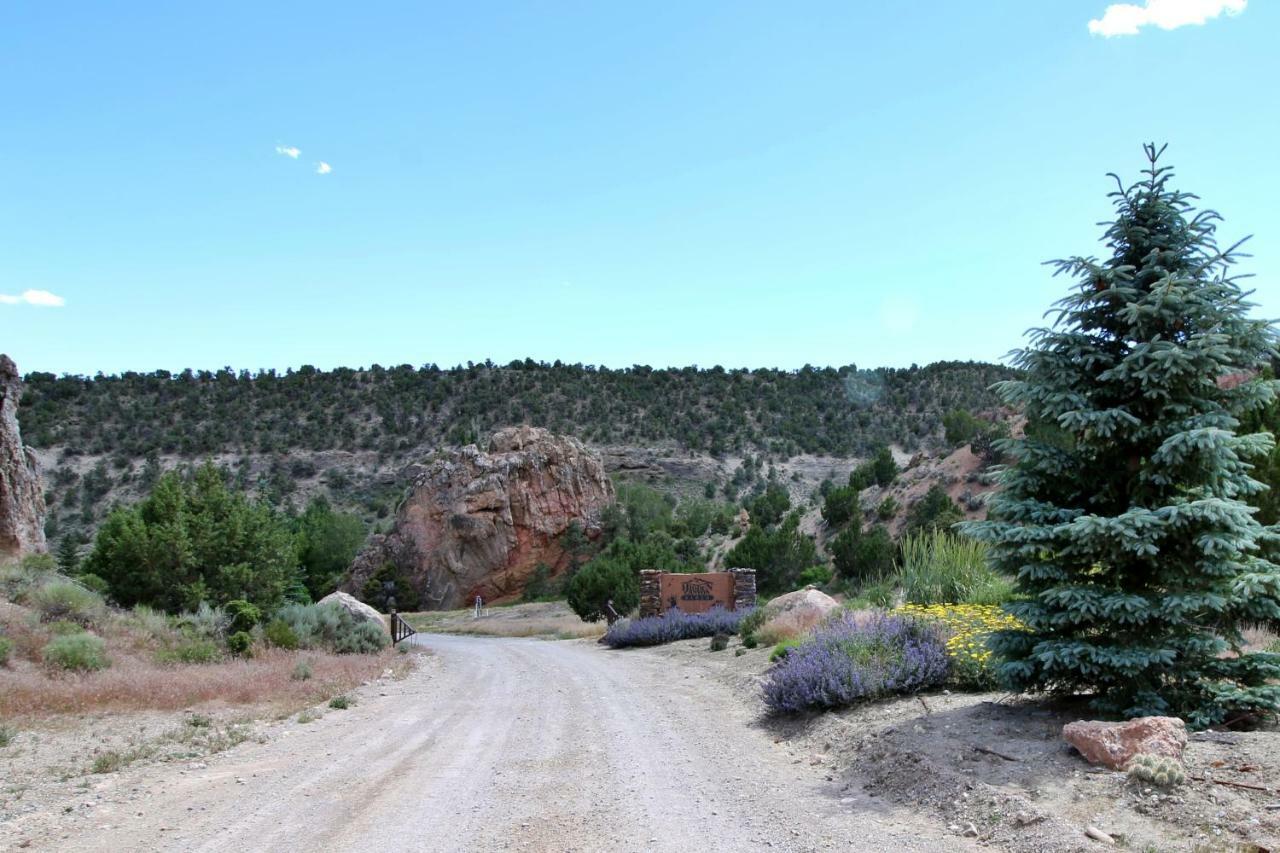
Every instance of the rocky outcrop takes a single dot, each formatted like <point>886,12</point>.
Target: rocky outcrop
<point>479,523</point>
<point>21,489</point>
<point>358,609</point>
<point>1114,744</point>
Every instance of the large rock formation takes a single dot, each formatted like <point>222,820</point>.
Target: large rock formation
<point>21,489</point>
<point>477,523</point>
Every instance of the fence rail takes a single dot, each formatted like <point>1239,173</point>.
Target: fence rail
<point>400,629</point>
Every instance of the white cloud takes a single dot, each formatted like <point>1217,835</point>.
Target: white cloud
<point>43,298</point>
<point>323,168</point>
<point>1125,19</point>
<point>289,151</point>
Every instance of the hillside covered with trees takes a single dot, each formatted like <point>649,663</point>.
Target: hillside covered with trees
<point>834,411</point>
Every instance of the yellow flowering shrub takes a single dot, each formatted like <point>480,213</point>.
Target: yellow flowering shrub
<point>967,627</point>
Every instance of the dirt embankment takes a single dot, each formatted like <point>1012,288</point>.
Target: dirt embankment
<point>996,768</point>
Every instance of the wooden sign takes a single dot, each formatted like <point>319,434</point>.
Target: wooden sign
<point>696,593</point>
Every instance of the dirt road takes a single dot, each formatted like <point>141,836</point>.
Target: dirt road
<point>503,744</point>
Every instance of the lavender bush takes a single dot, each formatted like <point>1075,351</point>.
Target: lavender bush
<point>855,657</point>
<point>673,625</point>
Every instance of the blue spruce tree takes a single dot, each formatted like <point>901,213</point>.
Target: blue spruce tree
<point>1125,514</point>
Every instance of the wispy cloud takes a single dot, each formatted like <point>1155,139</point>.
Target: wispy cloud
<point>289,151</point>
<point>43,298</point>
<point>323,168</point>
<point>1126,19</point>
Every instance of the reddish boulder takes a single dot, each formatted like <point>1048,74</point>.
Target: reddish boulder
<point>479,523</point>
<point>1113,744</point>
<point>21,489</point>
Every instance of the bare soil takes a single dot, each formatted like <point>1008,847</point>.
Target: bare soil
<point>996,768</point>
<point>494,744</point>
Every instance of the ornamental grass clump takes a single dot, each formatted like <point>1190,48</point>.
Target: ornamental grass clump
<point>857,657</point>
<point>1128,511</point>
<point>967,627</point>
<point>673,625</point>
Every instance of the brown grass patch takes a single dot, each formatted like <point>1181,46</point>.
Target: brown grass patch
<point>138,684</point>
<point>546,620</point>
<point>790,625</point>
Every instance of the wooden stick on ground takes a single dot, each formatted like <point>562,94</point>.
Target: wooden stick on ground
<point>986,751</point>
<point>1232,784</point>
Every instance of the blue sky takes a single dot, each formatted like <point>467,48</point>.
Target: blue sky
<point>734,183</point>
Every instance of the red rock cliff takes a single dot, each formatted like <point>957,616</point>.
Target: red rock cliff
<point>21,490</point>
<point>478,523</point>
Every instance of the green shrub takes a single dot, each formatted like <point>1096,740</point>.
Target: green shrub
<point>6,736</point>
<point>719,642</point>
<point>153,622</point>
<point>191,650</point>
<point>302,670</point>
<point>944,568</point>
<point>193,539</point>
<point>815,575</point>
<point>750,624</point>
<point>64,599</point>
<point>781,650</point>
<point>211,623</point>
<point>778,555</point>
<point>935,511</point>
<point>62,627</point>
<point>6,646</point>
<point>860,556</point>
<point>243,615</point>
<point>887,508</point>
<point>279,634</point>
<point>82,652</point>
<point>341,703</point>
<point>363,638</point>
<point>94,583</point>
<point>880,593</point>
<point>109,762</point>
<point>602,580</point>
<point>240,643</point>
<point>333,628</point>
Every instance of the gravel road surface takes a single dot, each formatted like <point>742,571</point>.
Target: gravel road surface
<point>507,744</point>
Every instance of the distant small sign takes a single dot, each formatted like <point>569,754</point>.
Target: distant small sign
<point>697,593</point>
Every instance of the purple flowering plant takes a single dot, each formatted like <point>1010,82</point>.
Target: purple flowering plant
<point>673,625</point>
<point>857,657</point>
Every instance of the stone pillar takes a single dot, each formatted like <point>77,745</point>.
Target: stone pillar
<point>744,588</point>
<point>651,593</point>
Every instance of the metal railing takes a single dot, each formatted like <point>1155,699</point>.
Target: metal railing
<point>400,629</point>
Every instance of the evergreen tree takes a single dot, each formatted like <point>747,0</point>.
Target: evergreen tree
<point>68,555</point>
<point>195,540</point>
<point>327,542</point>
<point>1129,530</point>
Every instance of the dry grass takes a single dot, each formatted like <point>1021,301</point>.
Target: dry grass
<point>789,626</point>
<point>138,684</point>
<point>544,620</point>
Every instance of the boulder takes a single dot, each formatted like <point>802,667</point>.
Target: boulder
<point>1113,744</point>
<point>795,614</point>
<point>361,611</point>
<point>804,600</point>
<point>21,488</point>
<point>478,523</point>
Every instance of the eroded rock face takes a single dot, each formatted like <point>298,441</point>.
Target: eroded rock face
<point>479,523</point>
<point>21,489</point>
<point>1113,744</point>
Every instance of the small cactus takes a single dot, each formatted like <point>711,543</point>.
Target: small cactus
<point>1157,770</point>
